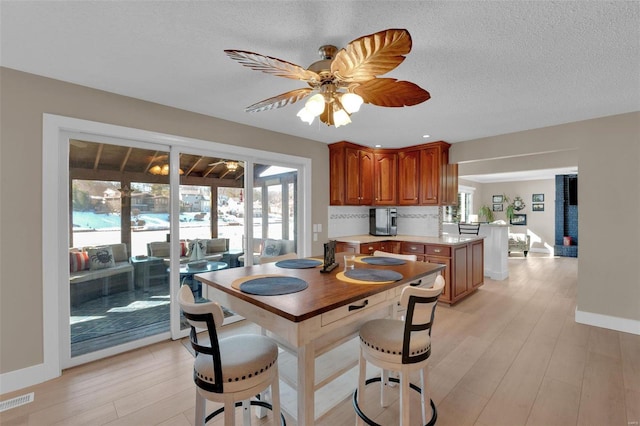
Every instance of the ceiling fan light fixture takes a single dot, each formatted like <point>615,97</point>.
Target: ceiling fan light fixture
<point>162,170</point>
<point>342,80</point>
<point>232,166</point>
<point>351,102</point>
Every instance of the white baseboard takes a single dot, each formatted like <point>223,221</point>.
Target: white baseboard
<point>605,321</point>
<point>19,379</point>
<point>497,275</point>
<point>540,250</point>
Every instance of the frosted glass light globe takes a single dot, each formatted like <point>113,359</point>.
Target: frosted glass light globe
<point>305,115</point>
<point>340,118</point>
<point>315,104</point>
<point>351,102</point>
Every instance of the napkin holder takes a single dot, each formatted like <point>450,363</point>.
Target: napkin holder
<point>329,257</point>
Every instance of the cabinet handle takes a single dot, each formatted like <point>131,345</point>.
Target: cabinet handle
<point>355,308</point>
<point>416,284</point>
<point>437,250</point>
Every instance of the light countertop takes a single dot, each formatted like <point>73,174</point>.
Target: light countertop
<point>444,239</point>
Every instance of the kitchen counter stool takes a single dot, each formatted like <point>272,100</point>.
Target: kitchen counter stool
<point>230,370</point>
<point>400,346</point>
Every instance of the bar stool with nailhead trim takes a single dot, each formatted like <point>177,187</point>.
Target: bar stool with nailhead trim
<point>401,346</point>
<point>229,370</point>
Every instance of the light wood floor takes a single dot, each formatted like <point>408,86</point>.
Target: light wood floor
<point>511,354</point>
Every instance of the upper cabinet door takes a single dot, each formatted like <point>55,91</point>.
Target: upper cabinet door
<point>366,177</point>
<point>430,165</point>
<point>385,179</point>
<point>408,177</point>
<point>336,175</point>
<point>352,176</point>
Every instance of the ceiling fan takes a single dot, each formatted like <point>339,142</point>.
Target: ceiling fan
<point>343,79</point>
<point>231,166</point>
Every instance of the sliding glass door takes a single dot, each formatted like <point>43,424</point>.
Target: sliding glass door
<point>209,227</point>
<point>274,213</point>
<point>137,206</point>
<point>119,203</point>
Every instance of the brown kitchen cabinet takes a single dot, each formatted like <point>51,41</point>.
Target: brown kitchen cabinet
<point>477,263</point>
<point>409,177</point>
<point>385,178</point>
<point>342,247</point>
<point>390,246</point>
<point>417,175</point>
<point>445,296</point>
<point>464,268</point>
<point>351,174</point>
<point>336,174</point>
<point>369,248</point>
<point>358,177</point>
<point>449,184</point>
<point>463,262</point>
<point>430,170</point>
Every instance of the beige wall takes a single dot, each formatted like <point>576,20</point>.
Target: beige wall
<point>24,98</point>
<point>540,225</point>
<point>608,154</point>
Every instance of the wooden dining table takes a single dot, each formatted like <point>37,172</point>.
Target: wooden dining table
<point>308,323</point>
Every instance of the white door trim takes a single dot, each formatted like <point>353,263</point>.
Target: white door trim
<point>55,131</point>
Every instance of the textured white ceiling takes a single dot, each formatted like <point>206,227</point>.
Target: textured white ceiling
<point>491,67</point>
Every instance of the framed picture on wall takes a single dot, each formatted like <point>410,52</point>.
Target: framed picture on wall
<point>497,207</point>
<point>497,199</point>
<point>519,219</point>
<point>537,207</point>
<point>537,198</point>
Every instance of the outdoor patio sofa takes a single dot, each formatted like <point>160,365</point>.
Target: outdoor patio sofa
<point>102,262</point>
<point>214,249</point>
<point>267,247</point>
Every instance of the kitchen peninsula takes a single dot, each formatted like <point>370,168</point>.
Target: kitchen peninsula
<point>463,257</point>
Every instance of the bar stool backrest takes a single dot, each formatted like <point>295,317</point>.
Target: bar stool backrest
<point>421,306</point>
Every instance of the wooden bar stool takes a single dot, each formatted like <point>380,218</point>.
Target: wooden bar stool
<point>400,346</point>
<point>229,370</point>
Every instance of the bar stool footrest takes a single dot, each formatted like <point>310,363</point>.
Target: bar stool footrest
<point>370,422</point>
<point>257,403</point>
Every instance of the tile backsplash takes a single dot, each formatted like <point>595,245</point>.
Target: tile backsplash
<point>354,220</point>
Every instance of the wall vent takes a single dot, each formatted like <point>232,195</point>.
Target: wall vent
<point>16,402</point>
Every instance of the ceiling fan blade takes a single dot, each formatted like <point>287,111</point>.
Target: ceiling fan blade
<point>389,92</point>
<point>371,55</point>
<point>279,101</point>
<point>274,66</point>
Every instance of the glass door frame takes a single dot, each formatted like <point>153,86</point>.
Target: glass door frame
<point>57,130</point>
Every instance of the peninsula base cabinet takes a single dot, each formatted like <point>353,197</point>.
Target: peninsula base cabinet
<point>463,262</point>
<point>464,268</point>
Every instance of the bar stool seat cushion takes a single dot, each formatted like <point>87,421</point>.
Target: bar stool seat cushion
<point>384,338</point>
<point>246,361</point>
